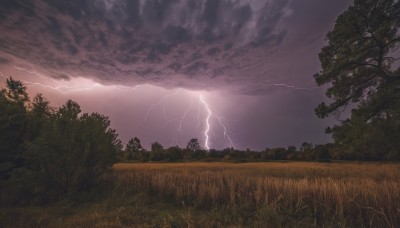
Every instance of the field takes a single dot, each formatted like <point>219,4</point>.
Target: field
<point>272,194</point>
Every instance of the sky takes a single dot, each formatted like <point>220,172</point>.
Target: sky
<point>232,73</point>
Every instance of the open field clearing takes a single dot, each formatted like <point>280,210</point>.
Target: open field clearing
<point>271,194</point>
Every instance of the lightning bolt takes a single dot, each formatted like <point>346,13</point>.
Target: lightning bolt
<point>33,71</point>
<point>209,127</point>
<point>225,130</point>
<point>184,116</point>
<point>66,87</point>
<point>198,116</point>
<point>207,122</point>
<point>163,101</point>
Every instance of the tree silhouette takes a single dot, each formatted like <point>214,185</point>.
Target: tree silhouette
<point>157,152</point>
<point>360,63</point>
<point>193,145</point>
<point>13,124</point>
<point>133,149</point>
<point>74,150</point>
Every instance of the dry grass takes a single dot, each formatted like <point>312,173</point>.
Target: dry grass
<point>323,194</point>
<point>269,194</point>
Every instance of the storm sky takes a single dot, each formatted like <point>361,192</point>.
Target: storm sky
<point>238,72</point>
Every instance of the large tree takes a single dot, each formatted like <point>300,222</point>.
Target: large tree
<point>360,63</point>
<point>13,124</point>
<point>73,150</point>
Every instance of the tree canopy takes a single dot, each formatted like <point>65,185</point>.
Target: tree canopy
<point>47,152</point>
<point>193,145</point>
<point>133,149</point>
<point>361,63</point>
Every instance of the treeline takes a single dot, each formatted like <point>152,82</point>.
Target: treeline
<point>47,153</point>
<point>307,152</point>
<point>193,152</point>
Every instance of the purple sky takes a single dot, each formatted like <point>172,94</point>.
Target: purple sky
<point>239,72</point>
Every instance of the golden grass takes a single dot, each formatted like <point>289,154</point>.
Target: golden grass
<point>273,194</point>
<point>325,194</point>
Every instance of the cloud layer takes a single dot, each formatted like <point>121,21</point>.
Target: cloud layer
<point>174,43</point>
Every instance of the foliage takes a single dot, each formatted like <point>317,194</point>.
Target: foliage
<point>174,153</point>
<point>46,153</point>
<point>13,121</point>
<point>193,145</point>
<point>73,151</point>
<point>133,150</point>
<point>361,65</point>
<point>156,146</point>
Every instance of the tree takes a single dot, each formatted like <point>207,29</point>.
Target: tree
<point>359,60</point>
<point>193,145</point>
<point>13,123</point>
<point>157,152</point>
<point>156,146</point>
<point>360,63</point>
<point>45,153</point>
<point>40,112</point>
<point>174,153</point>
<point>305,146</point>
<point>73,152</point>
<point>291,149</point>
<point>322,153</point>
<point>133,149</point>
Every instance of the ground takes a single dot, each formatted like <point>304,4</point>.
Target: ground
<point>267,194</point>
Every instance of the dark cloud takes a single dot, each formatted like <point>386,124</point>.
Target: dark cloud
<point>60,76</point>
<point>203,38</point>
<point>4,60</point>
<point>256,58</point>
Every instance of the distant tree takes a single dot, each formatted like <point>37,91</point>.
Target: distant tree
<point>144,156</point>
<point>157,152</point>
<point>193,145</point>
<point>305,146</point>
<point>156,146</point>
<point>133,149</point>
<point>174,153</point>
<point>291,149</point>
<point>215,154</point>
<point>360,63</point>
<point>279,153</point>
<point>322,153</point>
<point>291,153</point>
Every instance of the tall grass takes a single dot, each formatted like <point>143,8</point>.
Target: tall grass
<point>318,194</point>
<point>225,194</point>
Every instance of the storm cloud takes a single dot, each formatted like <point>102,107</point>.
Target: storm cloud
<point>146,41</point>
<point>253,60</point>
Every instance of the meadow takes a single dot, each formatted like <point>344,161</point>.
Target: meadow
<point>268,194</point>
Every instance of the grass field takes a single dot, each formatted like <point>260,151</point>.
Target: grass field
<point>271,194</point>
